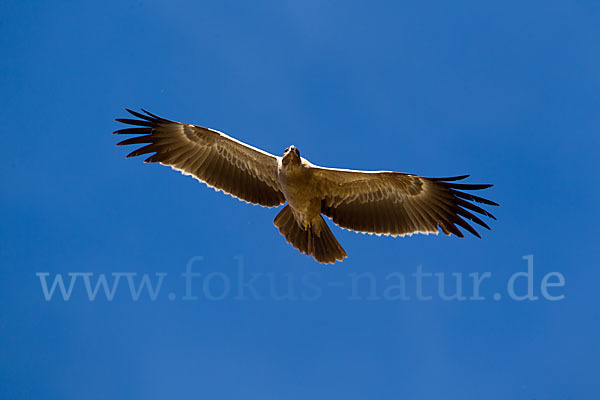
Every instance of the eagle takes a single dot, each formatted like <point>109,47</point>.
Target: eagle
<point>374,202</point>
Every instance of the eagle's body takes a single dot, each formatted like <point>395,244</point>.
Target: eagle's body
<point>300,187</point>
<point>380,202</point>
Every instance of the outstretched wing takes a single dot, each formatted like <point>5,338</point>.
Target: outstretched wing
<point>397,204</point>
<point>212,157</point>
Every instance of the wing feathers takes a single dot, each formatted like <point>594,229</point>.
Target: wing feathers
<point>133,131</point>
<point>212,157</point>
<point>466,226</point>
<point>148,117</point>
<point>471,197</point>
<point>473,207</point>
<point>450,178</point>
<point>137,122</point>
<point>395,204</point>
<point>136,140</point>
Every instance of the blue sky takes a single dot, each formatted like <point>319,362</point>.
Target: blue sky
<point>505,91</point>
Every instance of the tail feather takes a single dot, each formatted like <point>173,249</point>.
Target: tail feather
<point>317,241</point>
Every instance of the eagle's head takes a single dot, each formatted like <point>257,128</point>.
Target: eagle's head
<point>291,155</point>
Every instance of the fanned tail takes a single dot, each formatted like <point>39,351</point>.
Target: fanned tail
<point>317,241</point>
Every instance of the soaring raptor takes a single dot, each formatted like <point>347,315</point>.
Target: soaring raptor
<point>380,202</point>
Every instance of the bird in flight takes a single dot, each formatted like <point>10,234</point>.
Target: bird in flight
<point>374,202</point>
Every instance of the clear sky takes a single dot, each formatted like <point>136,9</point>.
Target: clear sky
<point>508,92</point>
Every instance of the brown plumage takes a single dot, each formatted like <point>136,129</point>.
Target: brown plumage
<point>379,202</point>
